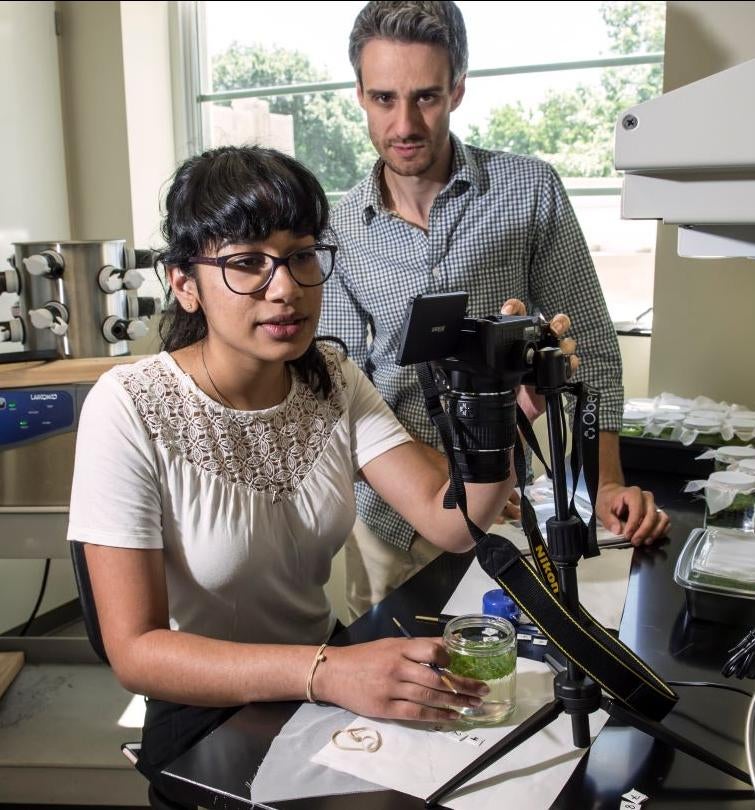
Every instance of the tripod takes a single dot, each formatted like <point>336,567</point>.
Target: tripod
<point>574,693</point>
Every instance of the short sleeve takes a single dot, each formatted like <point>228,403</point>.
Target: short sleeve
<point>115,496</point>
<point>374,427</point>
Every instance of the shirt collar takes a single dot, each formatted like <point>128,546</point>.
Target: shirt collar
<point>463,170</point>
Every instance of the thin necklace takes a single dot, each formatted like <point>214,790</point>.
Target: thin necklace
<point>224,399</point>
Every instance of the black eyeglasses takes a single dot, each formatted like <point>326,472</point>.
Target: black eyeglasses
<point>248,273</point>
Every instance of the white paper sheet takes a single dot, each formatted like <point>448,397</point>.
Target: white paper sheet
<point>603,582</point>
<point>288,772</point>
<point>418,760</point>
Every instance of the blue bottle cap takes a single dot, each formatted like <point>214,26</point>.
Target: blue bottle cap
<point>498,603</point>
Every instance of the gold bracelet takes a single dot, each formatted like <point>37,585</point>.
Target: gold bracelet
<point>319,656</point>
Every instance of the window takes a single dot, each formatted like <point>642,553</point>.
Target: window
<point>545,78</point>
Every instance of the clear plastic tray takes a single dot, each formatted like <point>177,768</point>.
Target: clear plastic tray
<point>716,568</point>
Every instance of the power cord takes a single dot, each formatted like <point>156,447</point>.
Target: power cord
<point>724,686</point>
<point>742,661</point>
<point>42,589</point>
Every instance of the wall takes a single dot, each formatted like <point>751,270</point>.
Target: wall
<point>116,80</point>
<point>33,206</point>
<point>34,202</point>
<point>703,325</point>
<point>86,147</point>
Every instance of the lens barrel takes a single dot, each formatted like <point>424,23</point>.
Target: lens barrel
<point>483,431</point>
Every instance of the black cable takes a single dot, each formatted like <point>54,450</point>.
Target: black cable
<point>713,685</point>
<point>742,661</point>
<point>42,589</point>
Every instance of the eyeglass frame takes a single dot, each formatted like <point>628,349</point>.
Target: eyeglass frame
<point>278,261</point>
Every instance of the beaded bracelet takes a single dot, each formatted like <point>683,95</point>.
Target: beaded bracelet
<point>319,656</point>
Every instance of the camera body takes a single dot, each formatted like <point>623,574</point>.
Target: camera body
<point>478,363</point>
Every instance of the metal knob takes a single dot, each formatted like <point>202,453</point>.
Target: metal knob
<point>10,281</point>
<point>12,331</point>
<point>110,279</point>
<point>132,279</point>
<point>52,316</point>
<point>115,329</point>
<point>47,263</point>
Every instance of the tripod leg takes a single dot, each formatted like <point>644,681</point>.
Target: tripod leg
<point>539,720</point>
<point>660,732</point>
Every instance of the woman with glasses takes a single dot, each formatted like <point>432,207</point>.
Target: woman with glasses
<point>214,481</point>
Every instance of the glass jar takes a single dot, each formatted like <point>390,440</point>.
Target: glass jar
<point>484,647</point>
<point>666,422</point>
<point>633,422</point>
<point>703,429</point>
<point>743,425</point>
<point>728,455</point>
<point>740,513</point>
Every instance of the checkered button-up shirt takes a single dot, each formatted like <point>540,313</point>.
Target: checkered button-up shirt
<point>501,228</point>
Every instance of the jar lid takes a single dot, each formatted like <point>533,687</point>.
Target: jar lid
<point>479,634</point>
<point>640,404</point>
<point>706,413</point>
<point>743,412</point>
<point>703,424</point>
<point>498,603</point>
<point>671,409</point>
<point>669,415</point>
<point>732,479</point>
<point>733,453</point>
<point>742,421</point>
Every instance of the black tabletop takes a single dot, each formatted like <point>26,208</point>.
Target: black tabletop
<point>655,624</point>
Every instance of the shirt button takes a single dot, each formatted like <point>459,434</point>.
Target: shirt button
<point>436,272</point>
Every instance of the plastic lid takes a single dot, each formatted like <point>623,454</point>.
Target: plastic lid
<point>632,415</point>
<point>669,415</point>
<point>671,409</point>
<point>747,466</point>
<point>707,413</point>
<point>719,562</point>
<point>740,420</point>
<point>498,603</point>
<point>733,453</point>
<point>703,424</point>
<point>640,404</point>
<point>732,479</point>
<point>743,413</point>
<point>665,400</point>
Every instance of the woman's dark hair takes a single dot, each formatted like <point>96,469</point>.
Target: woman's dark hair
<point>237,194</point>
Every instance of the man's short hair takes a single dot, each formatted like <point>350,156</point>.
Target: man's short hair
<point>431,23</point>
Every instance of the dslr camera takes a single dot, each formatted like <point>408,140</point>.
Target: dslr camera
<point>477,364</point>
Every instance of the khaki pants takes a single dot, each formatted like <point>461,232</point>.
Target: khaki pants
<point>374,568</point>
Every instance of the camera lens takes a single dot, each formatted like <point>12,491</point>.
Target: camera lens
<point>483,433</point>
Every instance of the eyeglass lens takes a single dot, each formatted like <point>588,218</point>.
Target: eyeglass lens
<point>248,272</point>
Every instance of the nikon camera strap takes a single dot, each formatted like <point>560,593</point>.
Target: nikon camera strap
<point>582,639</point>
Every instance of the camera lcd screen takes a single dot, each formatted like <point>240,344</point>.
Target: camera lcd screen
<point>432,327</point>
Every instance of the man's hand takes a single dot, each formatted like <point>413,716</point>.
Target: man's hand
<point>531,403</point>
<point>632,512</point>
<point>512,510</point>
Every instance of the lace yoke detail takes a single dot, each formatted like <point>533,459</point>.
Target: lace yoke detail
<point>267,451</point>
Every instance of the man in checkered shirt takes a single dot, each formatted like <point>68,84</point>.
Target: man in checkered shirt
<point>438,216</point>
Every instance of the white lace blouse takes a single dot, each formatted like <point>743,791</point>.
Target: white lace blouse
<point>249,507</point>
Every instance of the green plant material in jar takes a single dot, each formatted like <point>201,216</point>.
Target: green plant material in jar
<point>484,667</point>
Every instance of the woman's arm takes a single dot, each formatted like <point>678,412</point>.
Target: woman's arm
<point>413,479</point>
<point>384,678</point>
